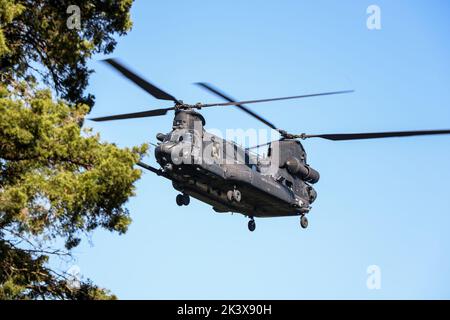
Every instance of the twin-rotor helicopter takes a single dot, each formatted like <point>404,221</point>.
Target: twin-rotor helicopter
<point>225,175</point>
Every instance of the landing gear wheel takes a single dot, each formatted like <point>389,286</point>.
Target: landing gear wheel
<point>252,225</point>
<point>234,195</point>
<point>179,199</point>
<point>186,199</point>
<point>237,195</point>
<point>304,222</point>
<point>230,195</point>
<point>183,199</point>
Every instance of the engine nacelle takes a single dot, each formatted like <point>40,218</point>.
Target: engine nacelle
<point>304,172</point>
<point>160,137</point>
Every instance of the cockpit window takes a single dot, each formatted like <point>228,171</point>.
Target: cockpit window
<point>186,137</point>
<point>178,122</point>
<point>174,137</point>
<point>288,183</point>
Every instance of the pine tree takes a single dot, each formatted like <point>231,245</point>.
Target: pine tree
<point>58,180</point>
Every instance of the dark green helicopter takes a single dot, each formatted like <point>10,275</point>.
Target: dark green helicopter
<point>227,176</point>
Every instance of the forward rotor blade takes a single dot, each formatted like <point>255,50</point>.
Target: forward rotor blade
<point>376,135</point>
<point>232,102</point>
<point>144,84</point>
<point>143,114</point>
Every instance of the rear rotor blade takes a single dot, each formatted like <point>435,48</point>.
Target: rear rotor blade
<point>375,135</point>
<point>260,145</point>
<point>233,103</point>
<point>143,114</point>
<point>144,84</point>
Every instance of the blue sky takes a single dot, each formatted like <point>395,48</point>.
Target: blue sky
<point>381,202</point>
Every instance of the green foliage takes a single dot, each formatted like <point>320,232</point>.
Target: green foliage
<point>24,276</point>
<point>56,182</point>
<point>9,9</point>
<point>53,177</point>
<point>36,31</point>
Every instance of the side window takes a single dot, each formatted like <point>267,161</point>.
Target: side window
<point>289,184</point>
<point>215,150</point>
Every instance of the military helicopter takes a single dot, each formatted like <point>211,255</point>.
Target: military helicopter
<point>227,176</point>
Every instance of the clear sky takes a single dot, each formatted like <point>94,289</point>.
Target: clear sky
<point>381,202</point>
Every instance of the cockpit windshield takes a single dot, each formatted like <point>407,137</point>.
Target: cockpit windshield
<point>181,136</point>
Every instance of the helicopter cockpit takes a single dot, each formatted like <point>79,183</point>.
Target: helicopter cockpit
<point>183,143</point>
<point>180,146</point>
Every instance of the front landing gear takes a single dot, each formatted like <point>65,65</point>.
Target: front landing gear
<point>304,222</point>
<point>252,224</point>
<point>183,199</point>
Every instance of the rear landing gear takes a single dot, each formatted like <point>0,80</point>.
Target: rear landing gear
<point>183,199</point>
<point>252,224</point>
<point>304,222</point>
<point>234,195</point>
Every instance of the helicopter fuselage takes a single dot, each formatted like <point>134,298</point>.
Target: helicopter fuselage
<point>230,178</point>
